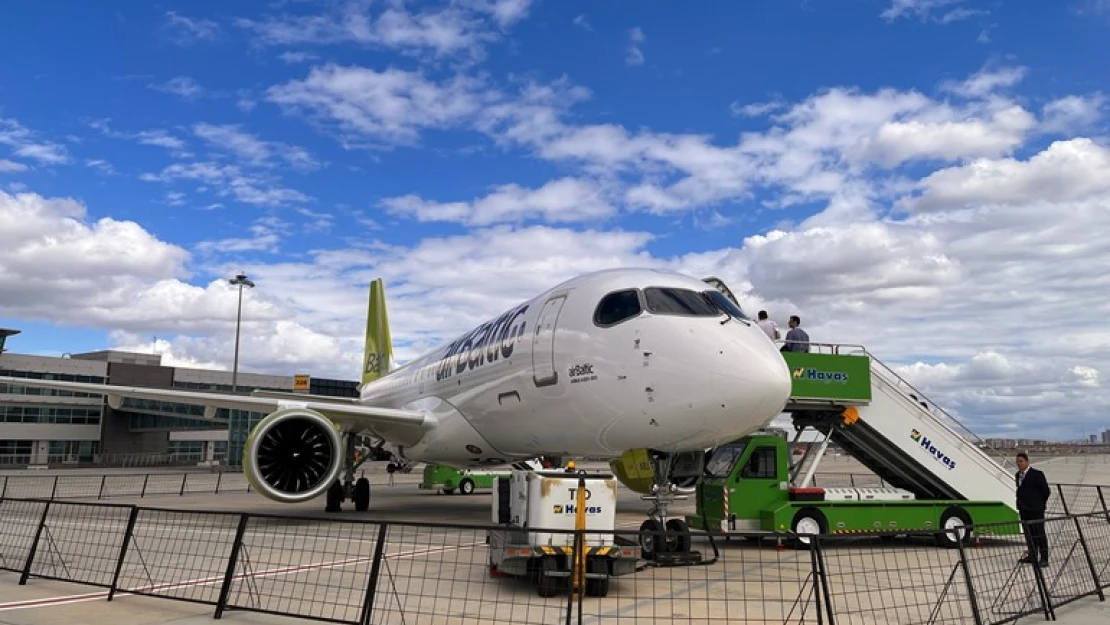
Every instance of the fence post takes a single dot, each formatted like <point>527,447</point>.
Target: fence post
<point>375,571</point>
<point>100,494</point>
<point>54,491</point>
<point>1101,500</point>
<point>225,590</point>
<point>123,550</point>
<point>184,478</point>
<point>1038,574</point>
<point>818,558</point>
<point>219,477</point>
<point>1083,542</point>
<point>146,478</point>
<point>34,547</point>
<point>5,490</point>
<point>970,584</point>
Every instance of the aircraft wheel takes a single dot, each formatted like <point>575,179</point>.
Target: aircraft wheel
<point>678,539</point>
<point>953,525</point>
<point>362,495</point>
<point>334,498</point>
<point>652,541</point>
<point>466,486</point>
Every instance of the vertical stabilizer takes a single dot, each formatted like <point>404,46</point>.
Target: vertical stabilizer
<point>377,356</point>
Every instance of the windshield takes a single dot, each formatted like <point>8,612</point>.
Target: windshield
<point>670,301</point>
<point>724,303</point>
<point>723,459</point>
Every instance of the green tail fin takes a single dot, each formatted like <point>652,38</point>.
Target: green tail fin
<point>377,357</point>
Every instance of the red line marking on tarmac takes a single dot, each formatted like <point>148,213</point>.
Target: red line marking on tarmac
<point>204,581</point>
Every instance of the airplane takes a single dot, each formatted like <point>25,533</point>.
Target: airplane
<point>601,365</point>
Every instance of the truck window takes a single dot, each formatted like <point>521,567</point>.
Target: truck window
<point>723,459</point>
<point>761,464</point>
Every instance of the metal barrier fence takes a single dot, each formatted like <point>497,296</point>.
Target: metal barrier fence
<point>355,571</point>
<point>106,486</point>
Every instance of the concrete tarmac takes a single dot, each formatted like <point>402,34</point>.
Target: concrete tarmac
<point>318,563</point>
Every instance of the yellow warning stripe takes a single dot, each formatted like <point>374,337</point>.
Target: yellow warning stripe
<point>592,551</point>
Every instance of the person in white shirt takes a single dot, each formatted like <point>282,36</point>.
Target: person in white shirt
<point>770,328</point>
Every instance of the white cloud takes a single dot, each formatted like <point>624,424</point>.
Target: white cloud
<point>251,149</point>
<point>562,200</point>
<point>188,30</point>
<point>181,86</point>
<point>391,106</point>
<point>929,10</point>
<point>7,167</point>
<point>1072,113</point>
<point>291,57</point>
<point>463,26</point>
<point>230,180</point>
<point>635,55</point>
<point>100,165</point>
<point>754,109</point>
<point>24,144</point>
<point>987,81</point>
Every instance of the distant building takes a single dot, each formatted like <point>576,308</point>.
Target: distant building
<point>45,426</point>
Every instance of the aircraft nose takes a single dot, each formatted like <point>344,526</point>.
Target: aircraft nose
<point>755,378</point>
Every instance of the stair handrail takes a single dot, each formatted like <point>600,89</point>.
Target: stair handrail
<point>855,348</point>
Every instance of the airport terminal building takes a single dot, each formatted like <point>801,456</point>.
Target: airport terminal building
<point>51,427</point>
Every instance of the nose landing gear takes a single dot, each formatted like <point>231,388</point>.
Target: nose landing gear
<point>665,541</point>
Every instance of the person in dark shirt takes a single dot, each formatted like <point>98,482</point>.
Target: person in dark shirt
<point>1032,500</point>
<point>796,339</point>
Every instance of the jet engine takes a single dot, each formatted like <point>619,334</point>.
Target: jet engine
<point>293,455</point>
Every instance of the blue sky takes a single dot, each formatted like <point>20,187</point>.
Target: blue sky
<point>900,172</point>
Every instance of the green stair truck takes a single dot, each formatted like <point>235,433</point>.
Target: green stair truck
<point>938,477</point>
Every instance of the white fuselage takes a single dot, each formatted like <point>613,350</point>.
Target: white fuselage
<point>546,378</point>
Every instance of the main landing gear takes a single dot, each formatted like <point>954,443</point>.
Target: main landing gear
<point>351,489</point>
<point>665,541</point>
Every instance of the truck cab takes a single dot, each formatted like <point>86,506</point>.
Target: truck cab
<point>741,479</point>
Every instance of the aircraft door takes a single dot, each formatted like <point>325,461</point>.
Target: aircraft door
<point>543,343</point>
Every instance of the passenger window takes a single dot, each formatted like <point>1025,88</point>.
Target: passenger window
<point>761,464</point>
<point>666,301</point>
<point>617,307</point>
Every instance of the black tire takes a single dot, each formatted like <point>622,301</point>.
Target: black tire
<point>811,521</point>
<point>466,486</point>
<point>362,495</point>
<point>678,538</point>
<point>956,517</point>
<point>652,541</point>
<point>334,498</point>
<point>548,586</point>
<point>597,587</point>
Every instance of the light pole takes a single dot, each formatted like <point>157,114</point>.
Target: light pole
<point>240,280</point>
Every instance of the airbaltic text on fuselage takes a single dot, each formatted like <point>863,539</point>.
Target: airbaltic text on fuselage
<point>486,343</point>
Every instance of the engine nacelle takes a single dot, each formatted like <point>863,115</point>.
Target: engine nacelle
<point>634,469</point>
<point>293,455</point>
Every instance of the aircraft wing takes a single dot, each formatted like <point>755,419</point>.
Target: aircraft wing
<point>343,410</point>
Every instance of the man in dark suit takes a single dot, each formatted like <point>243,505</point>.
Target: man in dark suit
<point>1032,499</point>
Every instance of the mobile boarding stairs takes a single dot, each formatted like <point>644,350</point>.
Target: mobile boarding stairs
<point>875,415</point>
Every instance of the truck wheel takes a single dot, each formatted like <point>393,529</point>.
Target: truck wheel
<point>466,486</point>
<point>954,530</point>
<point>808,521</point>
<point>598,587</point>
<point>548,584</point>
<point>651,539</point>
<point>679,539</point>
<point>362,495</point>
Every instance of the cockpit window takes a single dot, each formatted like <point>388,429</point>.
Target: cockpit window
<point>671,301</point>
<point>724,303</point>
<point>617,307</point>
